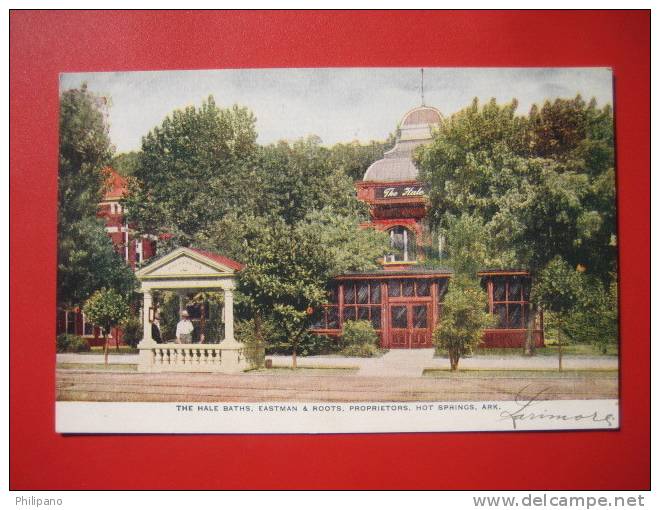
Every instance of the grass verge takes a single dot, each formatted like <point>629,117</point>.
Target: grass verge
<point>519,373</point>
<point>121,367</point>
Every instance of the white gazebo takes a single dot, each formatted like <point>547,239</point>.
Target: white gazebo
<point>182,270</point>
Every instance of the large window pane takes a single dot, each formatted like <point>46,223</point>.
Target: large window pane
<point>333,317</point>
<point>349,313</point>
<point>515,316</point>
<point>500,313</point>
<point>363,292</point>
<point>499,289</point>
<point>363,313</point>
<point>408,288</point>
<point>394,288</point>
<point>375,317</point>
<point>349,293</point>
<point>420,316</point>
<point>397,242</point>
<point>375,292</point>
<point>399,317</point>
<point>423,287</point>
<point>515,285</point>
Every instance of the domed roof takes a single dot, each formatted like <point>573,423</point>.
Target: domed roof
<point>422,115</point>
<point>415,130</point>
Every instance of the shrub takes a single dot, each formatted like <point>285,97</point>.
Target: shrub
<point>463,320</point>
<point>359,332</point>
<point>360,339</point>
<point>255,344</point>
<point>72,343</point>
<point>132,331</point>
<point>361,350</point>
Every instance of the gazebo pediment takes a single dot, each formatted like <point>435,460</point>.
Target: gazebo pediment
<point>188,263</point>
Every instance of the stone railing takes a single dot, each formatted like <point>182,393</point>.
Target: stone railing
<point>172,357</point>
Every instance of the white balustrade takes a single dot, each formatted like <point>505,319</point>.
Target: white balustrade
<point>173,357</point>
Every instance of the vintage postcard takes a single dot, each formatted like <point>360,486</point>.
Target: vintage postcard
<point>337,250</point>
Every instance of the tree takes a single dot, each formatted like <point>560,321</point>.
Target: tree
<point>354,158</point>
<point>125,162</point>
<point>106,308</point>
<point>301,178</point>
<point>594,319</point>
<point>557,289</point>
<point>536,186</point>
<point>285,277</point>
<point>351,248</point>
<point>83,151</point>
<point>87,262</point>
<point>288,266</point>
<point>463,320</point>
<point>86,257</point>
<point>199,164</point>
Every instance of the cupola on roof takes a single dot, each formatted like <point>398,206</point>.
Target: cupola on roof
<point>416,128</point>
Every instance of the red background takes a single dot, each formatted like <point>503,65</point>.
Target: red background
<point>43,44</point>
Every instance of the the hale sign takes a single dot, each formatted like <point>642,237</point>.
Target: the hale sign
<point>400,191</point>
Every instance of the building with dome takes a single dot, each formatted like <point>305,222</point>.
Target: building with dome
<point>403,299</point>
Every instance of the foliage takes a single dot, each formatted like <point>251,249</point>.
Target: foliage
<point>133,330</point>
<point>358,333</point>
<point>557,287</point>
<point>463,320</point>
<point>353,158</point>
<point>310,344</point>
<point>351,248</point>
<point>301,179</point>
<point>72,343</point>
<point>87,262</point>
<point>86,257</point>
<point>106,308</point>
<point>360,339</point>
<point>596,319</point>
<point>192,169</point>
<point>361,351</point>
<point>255,340</point>
<point>125,163</point>
<point>83,151</point>
<point>539,185</point>
<point>288,266</point>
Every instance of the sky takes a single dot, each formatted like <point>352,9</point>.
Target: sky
<point>336,104</point>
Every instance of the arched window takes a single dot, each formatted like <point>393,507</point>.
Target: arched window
<point>402,242</point>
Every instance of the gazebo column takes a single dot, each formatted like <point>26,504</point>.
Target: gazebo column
<point>229,314</point>
<point>146,325</point>
<point>233,355</point>
<point>146,358</point>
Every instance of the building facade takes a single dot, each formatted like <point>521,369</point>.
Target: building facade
<point>403,300</point>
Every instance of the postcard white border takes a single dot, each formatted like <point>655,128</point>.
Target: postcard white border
<point>333,417</point>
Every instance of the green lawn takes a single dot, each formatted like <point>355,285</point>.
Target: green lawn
<point>522,374</point>
<point>548,350</point>
<point>123,349</point>
<point>328,370</point>
<point>122,367</point>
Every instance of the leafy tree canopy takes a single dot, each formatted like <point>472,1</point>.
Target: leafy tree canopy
<point>540,185</point>
<point>87,262</point>
<point>86,257</point>
<point>84,150</point>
